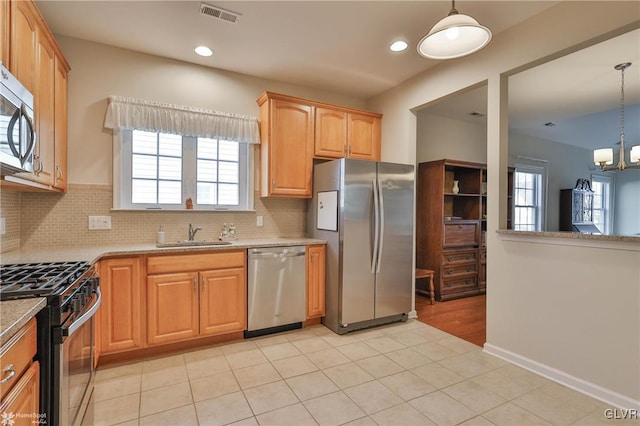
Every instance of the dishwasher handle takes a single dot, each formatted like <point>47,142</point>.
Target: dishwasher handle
<point>272,255</point>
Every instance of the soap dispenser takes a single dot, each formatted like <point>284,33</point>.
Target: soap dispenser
<point>160,237</point>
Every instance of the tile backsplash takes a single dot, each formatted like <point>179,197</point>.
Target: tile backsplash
<point>57,220</point>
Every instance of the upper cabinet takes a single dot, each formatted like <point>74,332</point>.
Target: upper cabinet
<point>342,133</point>
<point>286,133</point>
<point>31,53</point>
<point>294,131</point>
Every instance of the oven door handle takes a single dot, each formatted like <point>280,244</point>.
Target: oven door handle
<point>68,331</point>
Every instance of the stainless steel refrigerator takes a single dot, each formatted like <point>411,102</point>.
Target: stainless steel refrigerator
<point>364,209</point>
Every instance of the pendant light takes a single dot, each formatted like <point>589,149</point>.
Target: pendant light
<point>604,156</point>
<point>455,36</point>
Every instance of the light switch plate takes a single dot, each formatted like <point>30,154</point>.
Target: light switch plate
<point>99,222</point>
<point>259,221</point>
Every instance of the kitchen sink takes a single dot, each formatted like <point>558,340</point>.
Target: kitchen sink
<point>195,243</point>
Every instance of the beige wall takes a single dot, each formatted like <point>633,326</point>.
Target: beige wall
<point>552,333</point>
<point>97,71</point>
<point>441,137</point>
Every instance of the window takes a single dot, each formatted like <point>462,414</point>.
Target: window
<point>602,202</point>
<point>161,171</point>
<point>528,198</point>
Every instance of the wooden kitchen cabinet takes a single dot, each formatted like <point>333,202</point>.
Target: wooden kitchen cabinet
<point>5,32</point>
<point>286,132</point>
<point>195,295</point>
<point>16,356</point>
<point>20,375</point>
<point>345,133</point>
<point>172,307</point>
<point>36,60</point>
<point>24,398</point>
<point>121,312</point>
<point>450,225</point>
<point>316,259</point>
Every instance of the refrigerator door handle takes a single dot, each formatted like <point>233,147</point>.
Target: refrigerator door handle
<point>381,241</point>
<point>376,225</point>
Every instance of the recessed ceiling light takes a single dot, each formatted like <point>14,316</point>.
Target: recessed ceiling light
<point>398,46</point>
<point>203,51</point>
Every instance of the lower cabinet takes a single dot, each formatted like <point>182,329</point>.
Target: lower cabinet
<point>120,322</point>
<point>315,281</point>
<point>195,295</point>
<point>20,375</point>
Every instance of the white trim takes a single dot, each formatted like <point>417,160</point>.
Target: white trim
<point>412,314</point>
<point>612,242</point>
<point>590,389</point>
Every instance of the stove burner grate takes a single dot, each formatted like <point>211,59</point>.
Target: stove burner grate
<point>38,279</point>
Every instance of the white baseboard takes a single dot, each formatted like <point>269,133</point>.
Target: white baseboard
<point>595,391</point>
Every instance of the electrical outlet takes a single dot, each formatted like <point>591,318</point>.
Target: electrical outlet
<point>259,221</point>
<point>99,222</point>
<point>3,226</point>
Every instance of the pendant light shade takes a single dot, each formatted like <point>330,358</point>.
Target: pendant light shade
<point>454,36</point>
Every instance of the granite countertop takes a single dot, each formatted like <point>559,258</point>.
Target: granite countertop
<point>573,236</point>
<point>14,314</point>
<point>94,253</point>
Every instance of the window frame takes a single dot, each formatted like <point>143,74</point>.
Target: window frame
<point>122,177</point>
<point>609,214</point>
<point>541,195</point>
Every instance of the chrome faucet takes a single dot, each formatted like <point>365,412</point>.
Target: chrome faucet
<point>192,232</point>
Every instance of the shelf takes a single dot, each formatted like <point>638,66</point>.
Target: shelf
<point>451,194</point>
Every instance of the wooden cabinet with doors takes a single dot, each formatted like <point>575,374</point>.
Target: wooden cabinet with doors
<point>20,375</point>
<point>286,132</point>
<point>195,295</point>
<point>347,133</point>
<point>5,31</point>
<point>121,319</point>
<point>315,281</point>
<point>35,58</point>
<point>451,223</point>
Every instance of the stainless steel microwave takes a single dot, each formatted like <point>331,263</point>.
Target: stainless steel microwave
<point>17,131</point>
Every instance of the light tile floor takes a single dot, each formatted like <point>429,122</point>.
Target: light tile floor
<point>401,374</point>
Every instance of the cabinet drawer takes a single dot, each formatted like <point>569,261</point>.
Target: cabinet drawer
<point>460,234</point>
<point>453,270</point>
<point>16,356</point>
<point>456,285</point>
<point>195,262</point>
<point>459,256</point>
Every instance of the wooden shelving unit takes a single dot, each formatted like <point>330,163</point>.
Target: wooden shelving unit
<point>450,226</point>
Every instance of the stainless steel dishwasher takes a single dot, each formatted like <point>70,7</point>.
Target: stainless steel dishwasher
<point>276,289</point>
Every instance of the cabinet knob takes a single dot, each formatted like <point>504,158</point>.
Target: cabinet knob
<point>273,183</point>
<point>468,256</point>
<point>449,271</point>
<point>447,284</point>
<point>468,268</point>
<point>460,226</point>
<point>450,258</point>
<point>468,281</point>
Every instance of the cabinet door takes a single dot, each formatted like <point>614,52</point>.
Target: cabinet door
<point>172,307</point>
<point>4,33</point>
<point>330,133</point>
<point>122,305</point>
<point>24,398</point>
<point>45,106</point>
<point>315,281</point>
<point>364,137</point>
<point>60,116</point>
<point>223,301</point>
<point>289,149</point>
<point>23,42</point>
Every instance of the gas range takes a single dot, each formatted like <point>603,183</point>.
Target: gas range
<point>66,336</point>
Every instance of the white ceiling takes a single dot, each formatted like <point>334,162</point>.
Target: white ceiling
<point>342,47</point>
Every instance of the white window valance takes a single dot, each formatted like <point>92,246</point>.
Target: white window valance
<point>130,114</point>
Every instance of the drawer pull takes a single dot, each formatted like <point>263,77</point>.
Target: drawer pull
<point>469,256</point>
<point>449,271</point>
<point>468,281</point>
<point>460,226</point>
<point>450,258</point>
<point>11,371</point>
<point>469,268</point>
<point>447,284</point>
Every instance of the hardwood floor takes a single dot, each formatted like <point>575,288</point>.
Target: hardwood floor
<point>465,318</point>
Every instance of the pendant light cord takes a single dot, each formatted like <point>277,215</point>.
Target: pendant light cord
<point>622,110</point>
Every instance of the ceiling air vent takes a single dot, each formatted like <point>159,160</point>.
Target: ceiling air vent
<point>218,13</point>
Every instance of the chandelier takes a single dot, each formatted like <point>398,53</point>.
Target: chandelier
<point>604,156</point>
